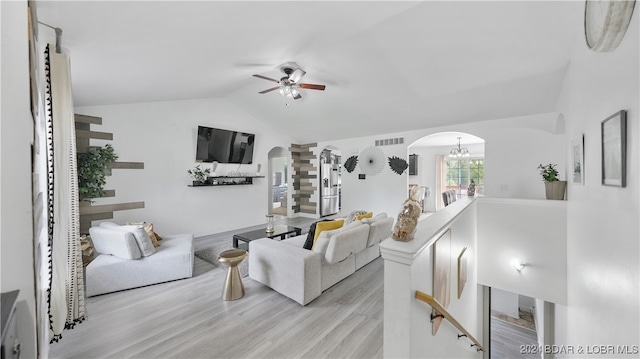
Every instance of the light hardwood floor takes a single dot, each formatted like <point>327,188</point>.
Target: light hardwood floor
<point>188,319</point>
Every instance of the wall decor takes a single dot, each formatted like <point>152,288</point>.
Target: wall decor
<point>606,22</point>
<point>441,275</point>
<point>577,160</point>
<point>462,271</point>
<point>614,149</point>
<point>350,163</point>
<point>397,164</point>
<point>371,161</point>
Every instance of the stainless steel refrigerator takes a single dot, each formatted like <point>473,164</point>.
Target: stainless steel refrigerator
<point>330,183</point>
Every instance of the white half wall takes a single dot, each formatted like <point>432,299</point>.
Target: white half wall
<point>163,136</point>
<point>603,246</point>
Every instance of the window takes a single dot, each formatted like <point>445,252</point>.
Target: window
<point>459,174</point>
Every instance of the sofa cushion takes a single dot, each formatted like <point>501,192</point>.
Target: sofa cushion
<point>112,241</point>
<point>142,238</point>
<point>311,235</point>
<point>323,240</point>
<point>326,226</point>
<point>375,218</point>
<point>346,243</point>
<point>148,227</point>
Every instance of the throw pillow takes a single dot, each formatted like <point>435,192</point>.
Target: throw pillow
<point>326,226</point>
<point>308,244</point>
<point>148,227</point>
<point>352,216</point>
<point>321,244</point>
<point>142,238</point>
<point>109,224</point>
<point>365,215</point>
<point>115,242</point>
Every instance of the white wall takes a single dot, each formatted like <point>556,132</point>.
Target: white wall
<point>532,231</point>
<point>514,147</point>
<point>602,222</point>
<point>504,302</point>
<point>16,136</point>
<point>163,136</point>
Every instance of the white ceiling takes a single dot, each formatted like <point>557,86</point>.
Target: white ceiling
<point>388,66</point>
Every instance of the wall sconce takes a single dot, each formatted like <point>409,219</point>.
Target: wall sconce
<point>518,264</point>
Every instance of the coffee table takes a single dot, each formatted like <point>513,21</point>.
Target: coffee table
<point>280,230</point>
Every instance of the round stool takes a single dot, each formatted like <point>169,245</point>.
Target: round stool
<point>233,288</point>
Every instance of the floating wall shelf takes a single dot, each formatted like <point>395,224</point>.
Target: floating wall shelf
<point>226,181</point>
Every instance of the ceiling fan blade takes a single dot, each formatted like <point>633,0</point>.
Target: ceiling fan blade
<point>266,78</point>
<point>269,90</point>
<point>312,87</point>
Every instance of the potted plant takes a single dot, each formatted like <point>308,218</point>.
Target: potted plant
<point>554,187</point>
<point>92,169</point>
<point>199,175</point>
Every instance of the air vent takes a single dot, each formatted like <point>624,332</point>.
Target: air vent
<point>390,141</point>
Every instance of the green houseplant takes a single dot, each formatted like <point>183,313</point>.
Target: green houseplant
<point>92,169</point>
<point>554,187</point>
<point>199,175</point>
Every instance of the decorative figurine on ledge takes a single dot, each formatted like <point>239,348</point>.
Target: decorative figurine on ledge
<point>407,221</point>
<point>471,189</point>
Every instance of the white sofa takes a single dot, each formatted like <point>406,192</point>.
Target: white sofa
<point>116,269</point>
<point>303,274</point>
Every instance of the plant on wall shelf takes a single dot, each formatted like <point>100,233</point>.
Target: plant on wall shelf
<point>549,172</point>
<point>92,169</point>
<point>198,174</point>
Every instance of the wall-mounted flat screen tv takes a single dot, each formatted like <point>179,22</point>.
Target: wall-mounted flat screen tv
<point>224,146</point>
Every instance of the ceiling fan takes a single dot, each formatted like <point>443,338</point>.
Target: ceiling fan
<point>289,84</point>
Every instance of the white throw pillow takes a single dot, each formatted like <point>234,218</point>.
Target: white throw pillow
<point>114,242</point>
<point>144,241</point>
<point>109,224</point>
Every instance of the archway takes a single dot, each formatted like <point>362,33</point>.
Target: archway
<point>278,174</point>
<point>432,167</point>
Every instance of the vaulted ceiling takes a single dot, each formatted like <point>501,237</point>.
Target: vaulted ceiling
<point>388,66</point>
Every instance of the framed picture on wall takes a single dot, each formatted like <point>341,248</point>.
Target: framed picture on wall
<point>441,275</point>
<point>577,160</point>
<point>462,271</point>
<point>614,149</point>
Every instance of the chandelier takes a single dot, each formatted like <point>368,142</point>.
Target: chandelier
<point>459,151</point>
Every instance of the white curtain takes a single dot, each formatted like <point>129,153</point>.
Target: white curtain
<point>66,290</point>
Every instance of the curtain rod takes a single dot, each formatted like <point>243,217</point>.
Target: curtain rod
<point>58,36</point>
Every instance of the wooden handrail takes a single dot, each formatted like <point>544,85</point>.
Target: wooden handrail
<point>433,302</point>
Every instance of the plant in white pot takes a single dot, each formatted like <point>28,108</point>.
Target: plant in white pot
<point>554,187</point>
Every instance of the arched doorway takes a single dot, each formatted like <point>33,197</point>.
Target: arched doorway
<point>433,168</point>
<point>278,174</point>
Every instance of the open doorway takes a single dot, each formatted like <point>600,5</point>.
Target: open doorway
<point>278,181</point>
<point>435,167</point>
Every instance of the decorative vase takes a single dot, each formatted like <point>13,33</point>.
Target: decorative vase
<point>270,228</point>
<point>555,190</point>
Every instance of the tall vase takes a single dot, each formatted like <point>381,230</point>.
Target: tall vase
<point>555,190</point>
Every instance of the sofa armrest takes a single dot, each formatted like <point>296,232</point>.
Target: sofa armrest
<point>290,270</point>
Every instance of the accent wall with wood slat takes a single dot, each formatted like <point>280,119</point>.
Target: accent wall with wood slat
<point>88,211</point>
<point>304,174</point>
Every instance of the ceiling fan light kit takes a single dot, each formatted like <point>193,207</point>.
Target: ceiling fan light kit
<point>290,84</point>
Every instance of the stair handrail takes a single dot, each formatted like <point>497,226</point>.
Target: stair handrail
<point>433,302</point>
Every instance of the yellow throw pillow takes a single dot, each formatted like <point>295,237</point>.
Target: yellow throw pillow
<point>366,215</point>
<point>148,227</point>
<point>326,226</point>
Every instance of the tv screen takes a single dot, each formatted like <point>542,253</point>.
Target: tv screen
<point>224,146</point>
